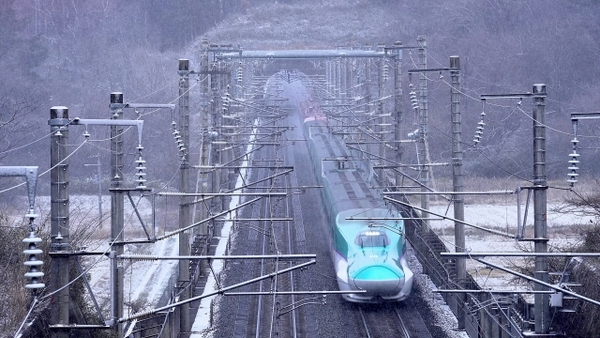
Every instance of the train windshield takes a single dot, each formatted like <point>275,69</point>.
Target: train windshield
<point>372,238</point>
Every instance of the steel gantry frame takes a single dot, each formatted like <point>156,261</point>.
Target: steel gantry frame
<point>363,88</point>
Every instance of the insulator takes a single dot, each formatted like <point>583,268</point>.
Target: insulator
<point>34,273</point>
<point>33,250</point>
<point>140,173</point>
<point>240,74</point>
<point>572,178</point>
<point>573,162</point>
<point>415,103</point>
<point>385,71</point>
<point>32,239</point>
<point>33,262</point>
<point>479,129</point>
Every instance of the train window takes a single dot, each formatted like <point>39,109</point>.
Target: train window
<point>372,238</point>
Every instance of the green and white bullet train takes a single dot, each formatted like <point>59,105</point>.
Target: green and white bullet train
<point>368,243</point>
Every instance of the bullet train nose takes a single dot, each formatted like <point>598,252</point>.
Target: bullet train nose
<point>379,280</point>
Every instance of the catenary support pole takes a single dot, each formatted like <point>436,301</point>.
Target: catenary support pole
<point>423,131</point>
<point>184,187</point>
<point>457,180</point>
<point>383,75</point>
<point>59,209</point>
<point>117,206</point>
<point>201,211</point>
<point>398,108</point>
<point>541,301</point>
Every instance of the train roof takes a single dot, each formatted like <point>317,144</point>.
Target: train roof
<point>347,178</point>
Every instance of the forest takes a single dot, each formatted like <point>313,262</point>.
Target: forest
<point>75,53</point>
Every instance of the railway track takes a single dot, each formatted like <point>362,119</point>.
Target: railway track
<point>263,311</point>
<point>392,320</point>
<point>271,308</point>
<point>382,321</point>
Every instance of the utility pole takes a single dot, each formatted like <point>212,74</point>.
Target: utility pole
<point>184,206</point>
<point>457,180</point>
<point>59,232</point>
<point>540,188</point>
<point>378,128</point>
<point>398,109</point>
<point>205,134</point>
<point>117,206</point>
<point>423,133</point>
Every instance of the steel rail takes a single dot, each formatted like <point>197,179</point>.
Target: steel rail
<point>364,322</point>
<point>401,325</point>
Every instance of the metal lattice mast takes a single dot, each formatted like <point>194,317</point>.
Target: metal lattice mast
<point>398,108</point>
<point>201,209</point>
<point>423,133</point>
<point>184,186</point>
<point>459,206</point>
<point>59,197</point>
<point>117,206</point>
<point>540,188</point>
